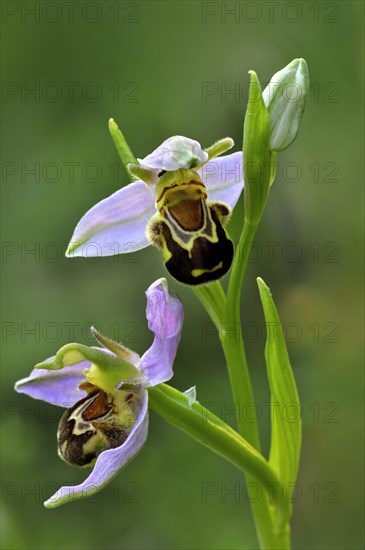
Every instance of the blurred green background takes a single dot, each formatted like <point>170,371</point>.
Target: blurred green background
<point>160,69</point>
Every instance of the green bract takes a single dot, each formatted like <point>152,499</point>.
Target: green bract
<point>256,152</point>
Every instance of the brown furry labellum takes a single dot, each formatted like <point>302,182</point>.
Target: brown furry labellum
<point>190,231</point>
<point>99,421</point>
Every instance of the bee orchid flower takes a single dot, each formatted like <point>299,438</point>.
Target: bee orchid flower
<point>180,203</point>
<point>104,391</point>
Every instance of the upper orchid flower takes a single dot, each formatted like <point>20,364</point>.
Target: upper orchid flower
<point>180,203</point>
<point>104,391</point>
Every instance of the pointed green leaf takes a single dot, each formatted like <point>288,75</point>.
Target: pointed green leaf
<point>285,407</point>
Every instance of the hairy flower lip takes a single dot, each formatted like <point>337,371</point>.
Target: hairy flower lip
<point>165,315</point>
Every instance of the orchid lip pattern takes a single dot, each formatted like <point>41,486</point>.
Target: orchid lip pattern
<point>118,224</point>
<point>111,376</point>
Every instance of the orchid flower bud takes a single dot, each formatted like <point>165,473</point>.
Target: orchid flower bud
<point>285,97</point>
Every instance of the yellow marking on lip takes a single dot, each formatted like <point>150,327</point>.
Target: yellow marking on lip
<point>199,272</point>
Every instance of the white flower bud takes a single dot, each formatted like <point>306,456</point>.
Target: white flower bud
<point>285,97</point>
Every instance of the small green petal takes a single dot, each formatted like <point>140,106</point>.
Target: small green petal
<point>115,347</point>
<point>137,172</point>
<point>219,147</point>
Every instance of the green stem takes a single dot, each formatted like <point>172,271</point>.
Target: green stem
<point>213,300</point>
<point>232,339</point>
<point>239,268</point>
<point>225,314</point>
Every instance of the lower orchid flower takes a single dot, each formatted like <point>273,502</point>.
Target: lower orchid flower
<point>180,203</point>
<point>105,392</point>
